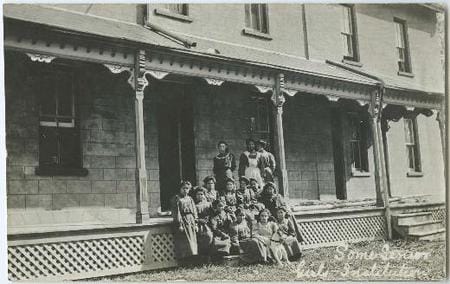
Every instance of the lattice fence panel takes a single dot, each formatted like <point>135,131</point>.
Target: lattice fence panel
<point>33,261</point>
<point>438,214</point>
<point>338,230</point>
<point>163,247</point>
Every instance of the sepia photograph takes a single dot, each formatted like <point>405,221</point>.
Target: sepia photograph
<point>225,141</point>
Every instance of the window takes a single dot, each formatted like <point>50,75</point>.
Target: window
<point>59,136</point>
<point>181,9</point>
<point>256,17</point>
<point>258,110</point>
<point>402,46</point>
<point>358,142</point>
<point>348,33</point>
<point>412,146</point>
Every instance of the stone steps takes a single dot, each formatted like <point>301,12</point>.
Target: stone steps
<point>418,226</point>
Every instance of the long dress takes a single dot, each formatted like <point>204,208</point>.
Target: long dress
<point>204,234</point>
<point>289,236</point>
<point>250,166</point>
<point>185,216</point>
<point>239,234</point>
<point>220,226</point>
<point>258,250</point>
<point>275,201</point>
<point>222,164</point>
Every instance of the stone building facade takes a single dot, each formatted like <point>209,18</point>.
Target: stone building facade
<point>301,40</point>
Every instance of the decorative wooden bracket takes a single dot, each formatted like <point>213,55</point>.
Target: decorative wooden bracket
<point>214,82</point>
<point>289,92</point>
<point>332,98</point>
<point>157,74</point>
<point>263,89</point>
<point>43,58</point>
<point>116,69</point>
<point>362,102</point>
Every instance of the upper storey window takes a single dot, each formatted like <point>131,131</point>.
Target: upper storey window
<point>256,17</point>
<point>349,40</point>
<point>402,45</point>
<point>256,21</point>
<point>181,9</point>
<point>175,11</point>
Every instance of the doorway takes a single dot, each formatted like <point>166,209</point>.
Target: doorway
<point>175,120</point>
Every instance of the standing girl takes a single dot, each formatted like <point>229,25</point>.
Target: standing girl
<point>224,165</point>
<point>185,218</point>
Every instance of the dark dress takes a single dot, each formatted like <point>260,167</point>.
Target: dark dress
<point>222,163</point>
<point>288,234</point>
<point>239,234</point>
<point>244,196</point>
<point>268,165</point>
<point>220,225</point>
<point>185,216</point>
<point>273,203</point>
<point>230,200</point>
<point>204,234</point>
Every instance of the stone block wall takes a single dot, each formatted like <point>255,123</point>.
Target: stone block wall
<point>309,148</point>
<point>219,114</point>
<point>106,118</point>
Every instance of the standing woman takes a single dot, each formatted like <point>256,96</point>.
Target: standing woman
<point>224,165</point>
<point>185,219</point>
<point>250,163</point>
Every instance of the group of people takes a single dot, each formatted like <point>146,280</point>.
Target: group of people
<point>246,218</point>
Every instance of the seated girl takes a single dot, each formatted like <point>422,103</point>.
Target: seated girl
<point>244,194</point>
<point>209,183</point>
<point>229,196</point>
<point>239,232</point>
<point>261,235</point>
<point>220,224</point>
<point>288,235</point>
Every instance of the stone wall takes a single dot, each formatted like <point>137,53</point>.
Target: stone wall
<point>106,118</point>
<point>309,148</point>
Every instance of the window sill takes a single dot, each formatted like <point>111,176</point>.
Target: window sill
<point>406,74</point>
<point>414,174</point>
<point>58,171</point>
<point>175,16</point>
<point>352,62</point>
<point>356,173</point>
<point>252,32</point>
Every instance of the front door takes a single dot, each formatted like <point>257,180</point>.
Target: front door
<point>176,139</point>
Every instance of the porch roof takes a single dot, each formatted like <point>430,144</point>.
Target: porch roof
<point>114,29</point>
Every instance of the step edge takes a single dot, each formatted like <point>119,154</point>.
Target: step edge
<point>420,224</point>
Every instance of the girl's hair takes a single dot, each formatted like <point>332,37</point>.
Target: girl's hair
<point>225,143</point>
<point>208,178</point>
<point>185,182</point>
<point>217,202</point>
<point>262,211</point>
<point>270,184</point>
<point>248,140</point>
<point>198,189</point>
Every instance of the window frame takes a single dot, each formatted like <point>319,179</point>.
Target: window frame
<point>411,128</point>
<point>402,38</point>
<point>349,22</point>
<point>170,13</point>
<point>363,141</point>
<point>262,28</point>
<point>45,125</point>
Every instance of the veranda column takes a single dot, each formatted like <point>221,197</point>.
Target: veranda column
<point>382,194</point>
<point>141,82</point>
<point>278,101</point>
<point>441,120</point>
